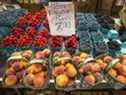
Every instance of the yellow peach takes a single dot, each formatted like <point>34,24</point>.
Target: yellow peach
<point>112,72</point>
<point>10,80</point>
<point>62,80</point>
<point>70,70</point>
<point>83,55</point>
<point>89,79</point>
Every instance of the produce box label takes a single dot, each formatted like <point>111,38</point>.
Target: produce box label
<point>61,18</point>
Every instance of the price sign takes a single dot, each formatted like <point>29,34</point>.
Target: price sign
<point>61,18</point>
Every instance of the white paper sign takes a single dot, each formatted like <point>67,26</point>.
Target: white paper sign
<point>61,18</point>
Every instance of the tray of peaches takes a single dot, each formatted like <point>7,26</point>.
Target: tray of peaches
<point>15,71</point>
<point>64,72</point>
<point>92,70</point>
<point>37,74</point>
<point>117,72</point>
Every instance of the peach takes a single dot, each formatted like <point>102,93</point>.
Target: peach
<point>39,55</point>
<point>41,74</point>
<point>71,82</point>
<point>29,79</point>
<point>83,55</point>
<point>34,68</point>
<point>38,67</point>
<point>112,72</point>
<point>10,80</point>
<point>123,71</point>
<point>10,63</point>
<point>46,52</point>
<point>66,54</point>
<point>18,66</point>
<point>121,79</point>
<point>63,62</point>
<point>124,61</point>
<point>10,71</point>
<point>107,59</point>
<point>57,54</point>
<point>101,63</point>
<point>123,57</point>
<point>95,68</point>
<point>58,70</point>
<point>30,69</point>
<point>86,68</point>
<point>89,79</point>
<point>81,70</point>
<point>62,80</point>
<point>24,63</point>
<point>118,66</point>
<point>70,70</point>
<point>38,82</point>
<point>77,59</point>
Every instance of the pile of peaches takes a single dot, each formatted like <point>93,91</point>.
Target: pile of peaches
<point>117,69</point>
<point>32,69</point>
<point>36,75</point>
<point>91,70</point>
<point>64,72</point>
<point>27,67</point>
<point>15,71</point>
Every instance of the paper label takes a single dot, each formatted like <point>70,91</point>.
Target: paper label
<point>61,18</point>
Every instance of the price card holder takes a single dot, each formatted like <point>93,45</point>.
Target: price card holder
<point>61,18</point>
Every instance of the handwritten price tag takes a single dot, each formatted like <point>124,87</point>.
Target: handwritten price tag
<point>61,18</point>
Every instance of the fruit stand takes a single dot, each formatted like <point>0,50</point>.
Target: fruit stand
<point>91,58</point>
